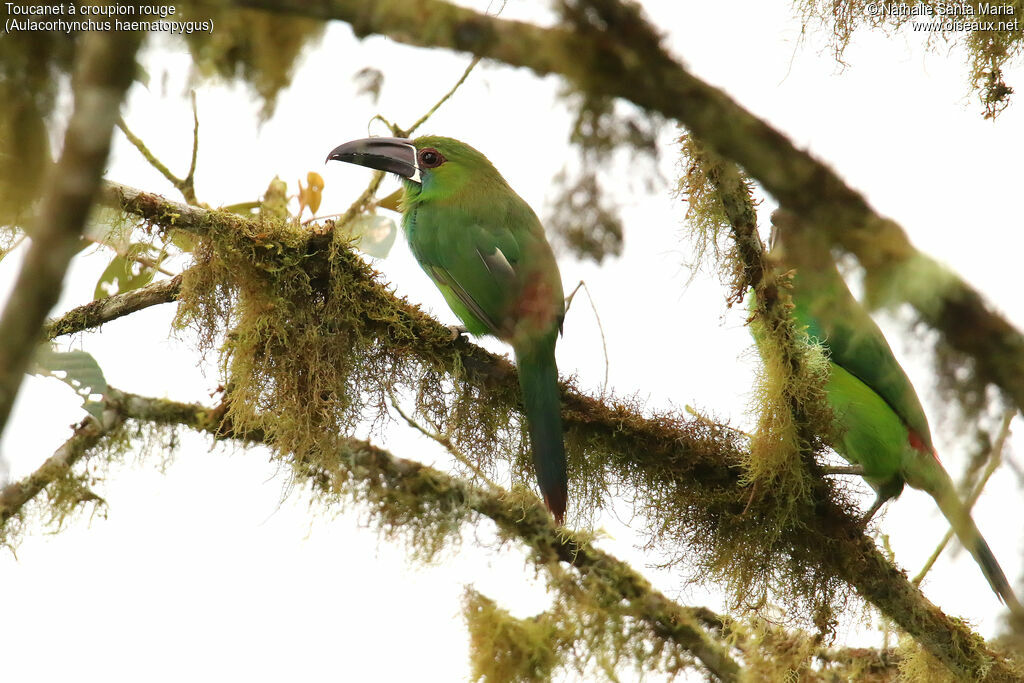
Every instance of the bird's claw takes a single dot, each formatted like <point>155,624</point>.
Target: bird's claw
<point>457,331</point>
<point>875,507</point>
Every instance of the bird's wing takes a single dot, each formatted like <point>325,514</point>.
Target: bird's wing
<point>462,302</point>
<point>854,342</point>
<point>475,261</point>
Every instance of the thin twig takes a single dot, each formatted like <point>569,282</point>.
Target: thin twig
<point>149,156</point>
<point>189,181</point>
<point>447,95</point>
<point>184,185</point>
<point>444,440</point>
<point>138,258</point>
<point>600,329</point>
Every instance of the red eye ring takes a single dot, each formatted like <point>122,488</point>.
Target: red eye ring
<point>430,158</point>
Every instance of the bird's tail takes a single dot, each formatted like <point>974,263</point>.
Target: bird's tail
<point>967,531</point>
<point>538,378</point>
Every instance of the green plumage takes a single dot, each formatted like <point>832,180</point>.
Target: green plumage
<point>880,424</point>
<point>485,249</point>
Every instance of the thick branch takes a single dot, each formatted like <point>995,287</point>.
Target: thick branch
<point>609,49</point>
<point>659,440</point>
<point>104,68</point>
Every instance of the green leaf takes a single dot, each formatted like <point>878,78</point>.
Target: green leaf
<point>78,369</point>
<point>124,273</point>
<point>375,235</point>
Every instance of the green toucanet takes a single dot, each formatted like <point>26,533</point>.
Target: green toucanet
<point>485,249</point>
<point>880,426</point>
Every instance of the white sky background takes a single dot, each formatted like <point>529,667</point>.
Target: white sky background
<point>202,572</point>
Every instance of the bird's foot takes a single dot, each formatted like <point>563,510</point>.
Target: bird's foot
<point>457,331</point>
<point>875,507</point>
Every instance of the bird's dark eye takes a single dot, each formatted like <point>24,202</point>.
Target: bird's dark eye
<point>431,158</point>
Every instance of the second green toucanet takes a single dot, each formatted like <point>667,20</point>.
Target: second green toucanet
<point>485,249</point>
<point>880,425</point>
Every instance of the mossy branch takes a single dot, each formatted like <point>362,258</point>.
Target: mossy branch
<point>791,406</point>
<point>694,466</point>
<point>88,433</point>
<point>391,478</point>
<point>528,522</point>
<point>96,313</point>
<point>606,47</point>
<point>104,68</point>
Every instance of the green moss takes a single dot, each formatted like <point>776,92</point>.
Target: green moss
<point>917,664</point>
<point>707,225</point>
<point>774,654</point>
<point>590,630</point>
<point>503,648</point>
<point>311,348</point>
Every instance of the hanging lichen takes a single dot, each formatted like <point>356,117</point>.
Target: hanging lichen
<point>991,31</point>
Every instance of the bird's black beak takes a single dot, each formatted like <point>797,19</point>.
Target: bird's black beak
<point>394,155</point>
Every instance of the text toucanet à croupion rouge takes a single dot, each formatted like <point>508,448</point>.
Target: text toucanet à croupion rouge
<point>71,17</point>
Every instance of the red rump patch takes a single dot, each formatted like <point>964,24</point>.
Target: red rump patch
<point>917,443</point>
<point>536,306</point>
